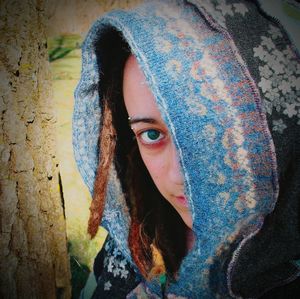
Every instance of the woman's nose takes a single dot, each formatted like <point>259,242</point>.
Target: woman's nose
<point>175,173</point>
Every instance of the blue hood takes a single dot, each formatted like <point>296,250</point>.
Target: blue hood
<point>212,104</point>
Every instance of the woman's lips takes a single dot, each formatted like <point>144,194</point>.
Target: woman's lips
<point>182,200</point>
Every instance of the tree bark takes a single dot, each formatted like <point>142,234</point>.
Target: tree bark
<point>33,252</point>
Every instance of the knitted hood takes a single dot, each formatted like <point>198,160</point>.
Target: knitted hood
<point>214,90</point>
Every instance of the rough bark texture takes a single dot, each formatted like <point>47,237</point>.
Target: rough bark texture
<point>33,252</point>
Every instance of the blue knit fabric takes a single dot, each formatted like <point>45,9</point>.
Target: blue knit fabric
<point>212,108</point>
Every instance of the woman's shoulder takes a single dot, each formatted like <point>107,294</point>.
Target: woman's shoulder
<point>115,276</point>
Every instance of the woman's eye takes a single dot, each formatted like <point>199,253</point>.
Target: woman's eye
<point>151,136</point>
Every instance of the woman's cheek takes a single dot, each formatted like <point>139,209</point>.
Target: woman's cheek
<point>156,168</point>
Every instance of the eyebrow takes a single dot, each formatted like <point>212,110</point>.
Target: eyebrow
<point>148,120</point>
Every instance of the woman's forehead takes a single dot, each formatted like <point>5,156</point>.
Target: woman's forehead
<point>139,99</point>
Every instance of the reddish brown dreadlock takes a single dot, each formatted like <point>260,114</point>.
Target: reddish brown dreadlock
<point>107,148</point>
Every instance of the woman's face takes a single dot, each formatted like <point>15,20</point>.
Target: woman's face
<point>154,141</point>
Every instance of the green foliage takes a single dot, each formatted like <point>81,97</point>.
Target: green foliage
<point>79,272</point>
<point>62,45</point>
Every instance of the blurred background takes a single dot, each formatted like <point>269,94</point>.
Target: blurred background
<point>65,61</point>
<point>68,23</point>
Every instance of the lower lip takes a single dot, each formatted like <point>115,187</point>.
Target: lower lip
<point>182,200</point>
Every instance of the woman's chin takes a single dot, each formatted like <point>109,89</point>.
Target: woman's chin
<point>187,219</point>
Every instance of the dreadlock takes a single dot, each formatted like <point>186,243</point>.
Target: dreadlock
<point>107,148</point>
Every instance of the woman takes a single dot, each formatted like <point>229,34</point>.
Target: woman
<point>188,178</point>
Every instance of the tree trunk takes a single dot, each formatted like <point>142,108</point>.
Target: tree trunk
<point>33,253</point>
